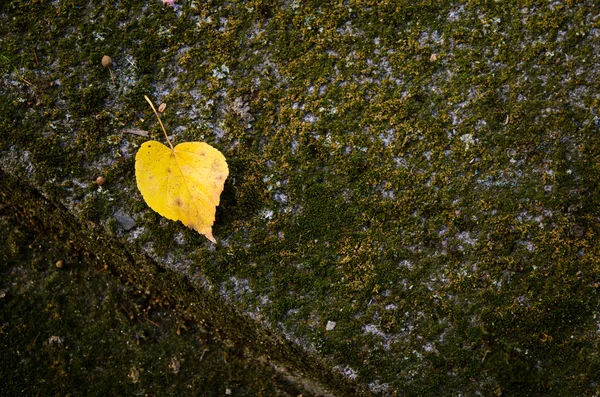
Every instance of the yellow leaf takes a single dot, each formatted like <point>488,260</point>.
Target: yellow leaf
<point>184,183</point>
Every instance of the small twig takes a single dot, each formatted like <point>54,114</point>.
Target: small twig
<point>485,355</point>
<point>34,240</point>
<point>159,120</point>
<point>25,81</point>
<point>152,322</point>
<point>127,311</point>
<point>202,355</point>
<point>30,346</point>
<point>5,59</point>
<point>37,62</point>
<point>135,131</point>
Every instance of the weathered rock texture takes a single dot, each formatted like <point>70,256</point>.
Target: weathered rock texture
<point>412,207</point>
<point>70,328</point>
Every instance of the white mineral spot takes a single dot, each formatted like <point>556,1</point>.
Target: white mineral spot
<point>220,74</point>
<point>267,214</point>
<point>330,325</point>
<point>468,140</point>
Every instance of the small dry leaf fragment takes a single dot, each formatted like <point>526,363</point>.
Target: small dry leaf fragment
<point>162,107</point>
<point>175,365</point>
<point>134,375</point>
<point>135,131</point>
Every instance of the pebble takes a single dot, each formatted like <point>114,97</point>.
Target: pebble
<point>125,221</point>
<point>577,231</point>
<point>330,325</point>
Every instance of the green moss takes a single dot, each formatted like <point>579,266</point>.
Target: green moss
<point>77,330</point>
<point>426,169</point>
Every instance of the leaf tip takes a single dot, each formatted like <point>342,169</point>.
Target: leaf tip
<point>210,237</point>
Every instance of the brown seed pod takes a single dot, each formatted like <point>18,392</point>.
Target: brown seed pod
<point>106,61</point>
<point>100,180</point>
<point>162,107</point>
<point>59,264</point>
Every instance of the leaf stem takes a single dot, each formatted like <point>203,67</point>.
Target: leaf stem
<point>159,120</point>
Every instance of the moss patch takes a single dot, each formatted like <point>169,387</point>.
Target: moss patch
<point>424,175</point>
<point>75,329</point>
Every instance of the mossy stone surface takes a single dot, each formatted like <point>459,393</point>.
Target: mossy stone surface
<point>71,328</point>
<point>425,175</point>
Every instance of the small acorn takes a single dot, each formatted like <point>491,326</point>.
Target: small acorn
<point>100,180</point>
